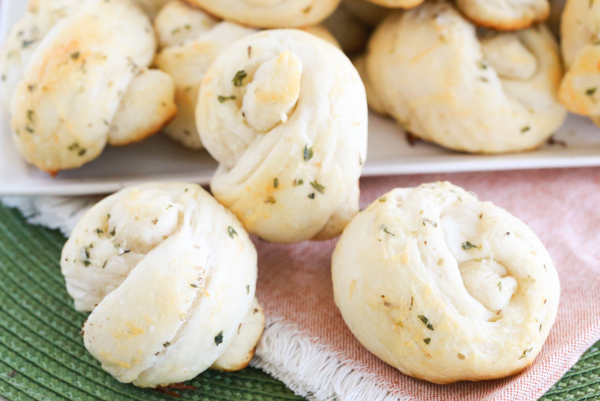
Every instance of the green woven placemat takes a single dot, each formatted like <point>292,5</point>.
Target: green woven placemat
<point>42,356</point>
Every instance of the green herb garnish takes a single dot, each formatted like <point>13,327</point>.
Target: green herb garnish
<point>385,230</point>
<point>219,338</point>
<point>427,341</point>
<point>231,231</point>
<point>320,188</point>
<point>468,245</point>
<point>426,322</point>
<point>276,183</point>
<point>225,98</point>
<point>308,153</point>
<point>238,80</point>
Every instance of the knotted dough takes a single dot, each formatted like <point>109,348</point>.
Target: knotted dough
<point>445,287</point>
<point>270,13</point>
<point>75,77</point>
<point>505,15</point>
<point>580,35</point>
<point>285,115</point>
<point>482,92</point>
<point>170,276</point>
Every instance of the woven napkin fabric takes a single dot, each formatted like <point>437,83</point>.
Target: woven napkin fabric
<point>307,345</point>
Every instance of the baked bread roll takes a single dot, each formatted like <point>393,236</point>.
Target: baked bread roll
<point>190,40</point>
<point>445,287</point>
<point>483,93</point>
<point>579,29</point>
<point>285,115</point>
<point>170,275</point>
<point>505,15</point>
<point>70,97</point>
<point>270,13</point>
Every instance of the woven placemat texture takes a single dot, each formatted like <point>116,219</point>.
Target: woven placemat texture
<point>42,356</point>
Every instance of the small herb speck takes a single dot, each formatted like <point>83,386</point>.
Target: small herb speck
<point>312,196</point>
<point>225,98</point>
<point>425,322</point>
<point>248,289</point>
<point>276,183</point>
<point>271,200</point>
<point>468,245</point>
<point>500,286</point>
<point>385,230</point>
<point>75,55</point>
<point>166,344</point>
<point>219,338</point>
<point>238,79</point>
<point>82,152</point>
<point>427,341</point>
<point>590,91</point>
<point>231,231</point>
<point>308,153</point>
<point>298,182</point>
<point>318,187</point>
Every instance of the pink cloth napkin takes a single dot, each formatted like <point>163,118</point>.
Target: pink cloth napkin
<point>561,206</point>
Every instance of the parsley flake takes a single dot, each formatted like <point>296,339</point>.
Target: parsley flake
<point>427,341</point>
<point>225,98</point>
<point>231,231</point>
<point>219,339</point>
<point>276,183</point>
<point>308,153</point>
<point>468,245</point>
<point>238,80</point>
<point>318,187</point>
<point>385,230</point>
<point>590,91</point>
<point>298,182</point>
<point>425,322</point>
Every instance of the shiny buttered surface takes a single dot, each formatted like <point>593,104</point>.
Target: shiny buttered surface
<point>190,40</point>
<point>445,287</point>
<point>580,33</point>
<point>468,90</point>
<point>169,275</point>
<point>270,13</point>
<point>285,115</point>
<point>75,78</point>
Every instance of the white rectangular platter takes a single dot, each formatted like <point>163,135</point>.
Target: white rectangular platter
<point>159,158</point>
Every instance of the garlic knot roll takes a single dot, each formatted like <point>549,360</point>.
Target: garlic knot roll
<point>270,13</point>
<point>285,115</point>
<point>81,81</point>
<point>445,287</point>
<point>505,15</point>
<point>580,36</point>
<point>462,88</point>
<point>170,276</point>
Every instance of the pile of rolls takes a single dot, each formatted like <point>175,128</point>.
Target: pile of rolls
<point>436,283</point>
